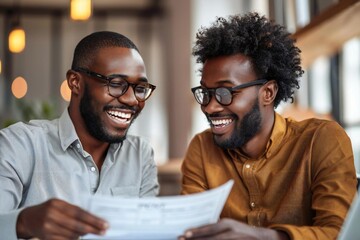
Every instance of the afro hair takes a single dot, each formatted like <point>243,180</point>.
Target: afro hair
<point>269,46</point>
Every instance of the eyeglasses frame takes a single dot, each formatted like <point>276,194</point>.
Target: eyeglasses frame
<point>212,91</point>
<point>111,77</point>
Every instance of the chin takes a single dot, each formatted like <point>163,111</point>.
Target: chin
<point>220,140</point>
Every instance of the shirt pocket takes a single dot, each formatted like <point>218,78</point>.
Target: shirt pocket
<point>128,191</point>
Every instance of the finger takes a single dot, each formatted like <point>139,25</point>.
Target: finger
<point>222,226</point>
<point>80,228</point>
<point>204,231</point>
<point>55,226</point>
<point>80,221</point>
<point>68,220</point>
<point>80,214</point>
<point>57,218</point>
<point>227,234</point>
<point>91,220</point>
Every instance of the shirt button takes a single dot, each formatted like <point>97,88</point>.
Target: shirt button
<point>78,145</point>
<point>247,165</point>
<point>252,204</point>
<point>92,169</point>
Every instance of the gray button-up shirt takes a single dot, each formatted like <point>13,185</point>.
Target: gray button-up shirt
<point>45,159</point>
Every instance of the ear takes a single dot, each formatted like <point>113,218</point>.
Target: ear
<point>269,92</point>
<point>73,80</point>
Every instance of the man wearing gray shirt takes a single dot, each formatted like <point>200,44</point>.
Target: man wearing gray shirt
<point>46,167</point>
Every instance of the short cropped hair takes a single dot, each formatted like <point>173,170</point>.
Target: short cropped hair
<point>269,46</point>
<point>87,48</point>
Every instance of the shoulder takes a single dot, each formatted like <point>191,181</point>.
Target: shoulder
<point>31,126</point>
<point>136,143</point>
<point>17,140</point>
<point>26,132</point>
<point>321,135</point>
<point>45,125</point>
<point>136,150</point>
<point>17,130</point>
<point>136,140</point>
<point>314,126</point>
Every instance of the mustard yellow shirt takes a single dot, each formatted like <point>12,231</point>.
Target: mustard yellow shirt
<point>303,184</point>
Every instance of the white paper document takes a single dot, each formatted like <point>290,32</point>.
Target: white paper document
<point>158,217</point>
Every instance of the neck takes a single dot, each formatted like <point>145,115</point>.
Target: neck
<point>256,147</point>
<point>96,148</point>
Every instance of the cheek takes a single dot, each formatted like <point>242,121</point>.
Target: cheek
<point>242,105</point>
<point>94,90</point>
<point>141,106</point>
<point>100,95</point>
<point>101,92</point>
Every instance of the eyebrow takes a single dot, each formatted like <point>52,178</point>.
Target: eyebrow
<point>140,79</point>
<point>220,82</point>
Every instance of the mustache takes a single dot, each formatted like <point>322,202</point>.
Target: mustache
<point>121,107</point>
<point>214,115</point>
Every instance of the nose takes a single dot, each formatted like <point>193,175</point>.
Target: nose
<point>128,97</point>
<point>213,106</point>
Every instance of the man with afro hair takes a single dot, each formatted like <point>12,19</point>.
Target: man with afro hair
<point>292,179</point>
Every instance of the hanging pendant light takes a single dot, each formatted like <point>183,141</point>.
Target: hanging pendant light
<point>80,9</point>
<point>17,39</point>
<point>17,33</point>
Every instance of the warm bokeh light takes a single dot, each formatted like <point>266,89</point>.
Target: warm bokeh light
<point>80,9</point>
<point>17,40</point>
<point>65,91</point>
<point>19,87</point>
<point>0,66</point>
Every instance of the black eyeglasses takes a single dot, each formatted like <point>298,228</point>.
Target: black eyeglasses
<point>118,85</point>
<point>223,95</point>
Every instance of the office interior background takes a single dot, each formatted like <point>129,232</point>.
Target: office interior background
<point>32,81</point>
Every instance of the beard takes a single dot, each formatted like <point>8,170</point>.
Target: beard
<point>94,124</point>
<point>248,127</point>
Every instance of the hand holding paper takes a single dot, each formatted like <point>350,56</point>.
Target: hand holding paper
<point>160,217</point>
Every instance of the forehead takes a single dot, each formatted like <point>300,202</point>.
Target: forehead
<point>236,69</point>
<point>119,60</point>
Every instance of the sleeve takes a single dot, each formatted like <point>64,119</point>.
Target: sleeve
<point>11,183</point>
<point>149,183</point>
<point>333,184</point>
<point>8,224</point>
<point>193,169</point>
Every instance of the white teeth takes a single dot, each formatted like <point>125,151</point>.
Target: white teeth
<point>120,114</point>
<point>221,122</point>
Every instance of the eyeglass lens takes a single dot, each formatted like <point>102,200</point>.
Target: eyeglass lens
<point>118,86</point>
<point>222,95</point>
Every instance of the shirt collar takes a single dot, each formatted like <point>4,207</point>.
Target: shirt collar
<point>277,135</point>
<point>67,131</point>
<point>68,134</point>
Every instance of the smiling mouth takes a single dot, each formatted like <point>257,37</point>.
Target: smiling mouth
<point>120,116</point>
<point>221,122</point>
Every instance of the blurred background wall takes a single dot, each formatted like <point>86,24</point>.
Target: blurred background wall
<point>326,30</point>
